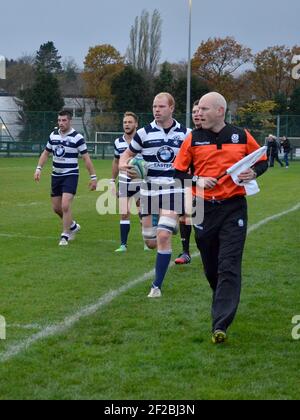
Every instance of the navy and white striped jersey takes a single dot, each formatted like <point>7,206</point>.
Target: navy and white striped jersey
<point>121,146</point>
<point>65,150</point>
<point>159,149</point>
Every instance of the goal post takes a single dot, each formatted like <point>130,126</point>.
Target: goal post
<point>104,142</point>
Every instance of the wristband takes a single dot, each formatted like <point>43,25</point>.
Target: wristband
<point>39,168</point>
<point>195,180</point>
<point>94,177</point>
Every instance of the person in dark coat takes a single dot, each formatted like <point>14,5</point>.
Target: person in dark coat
<point>286,147</point>
<point>273,150</point>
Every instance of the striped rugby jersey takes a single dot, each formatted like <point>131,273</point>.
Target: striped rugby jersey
<point>159,150</point>
<point>121,146</point>
<point>65,150</point>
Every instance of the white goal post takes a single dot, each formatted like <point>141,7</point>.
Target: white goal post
<point>105,140</point>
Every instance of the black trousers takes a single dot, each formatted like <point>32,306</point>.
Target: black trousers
<point>220,240</point>
<point>273,158</point>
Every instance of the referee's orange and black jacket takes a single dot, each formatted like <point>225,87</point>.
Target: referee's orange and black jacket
<point>211,154</point>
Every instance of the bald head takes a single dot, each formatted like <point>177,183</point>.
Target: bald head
<point>212,110</point>
<point>216,100</point>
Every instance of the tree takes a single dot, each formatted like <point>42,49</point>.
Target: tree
<point>102,64</point>
<point>272,72</point>
<point>165,82</point>
<point>258,117</point>
<point>131,92</point>
<point>20,75</point>
<point>70,69</point>
<point>216,62</point>
<point>47,58</point>
<point>294,105</point>
<point>144,50</point>
<point>155,41</point>
<point>45,96</point>
<point>198,89</point>
<point>70,79</point>
<point>281,104</point>
<point>294,109</point>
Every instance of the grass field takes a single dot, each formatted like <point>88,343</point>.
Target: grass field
<point>131,347</point>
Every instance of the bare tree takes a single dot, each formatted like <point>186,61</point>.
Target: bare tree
<point>155,41</point>
<point>144,50</point>
<point>132,50</point>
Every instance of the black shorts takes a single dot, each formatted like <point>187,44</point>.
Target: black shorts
<point>128,190</point>
<point>64,184</point>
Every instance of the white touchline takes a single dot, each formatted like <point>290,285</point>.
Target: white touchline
<point>20,236</point>
<point>70,321</point>
<point>39,238</point>
<point>271,218</point>
<point>25,327</point>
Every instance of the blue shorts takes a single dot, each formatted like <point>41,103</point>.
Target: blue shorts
<point>128,190</point>
<point>64,184</point>
<point>173,201</point>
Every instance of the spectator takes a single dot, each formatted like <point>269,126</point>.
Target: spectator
<point>286,147</point>
<point>273,150</point>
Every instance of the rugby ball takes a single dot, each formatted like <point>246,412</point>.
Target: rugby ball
<point>139,166</point>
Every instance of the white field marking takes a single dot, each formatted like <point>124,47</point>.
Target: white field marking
<point>30,204</point>
<point>13,168</point>
<point>25,327</point>
<point>40,238</point>
<point>37,203</point>
<point>271,218</point>
<point>70,321</point>
<point>20,236</point>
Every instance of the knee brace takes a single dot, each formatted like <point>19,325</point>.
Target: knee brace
<point>168,224</point>
<point>150,234</point>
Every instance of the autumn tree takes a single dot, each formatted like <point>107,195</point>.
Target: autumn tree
<point>101,65</point>
<point>20,75</point>
<point>217,60</point>
<point>144,50</point>
<point>272,72</point>
<point>258,117</point>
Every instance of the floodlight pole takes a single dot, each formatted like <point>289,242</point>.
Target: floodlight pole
<point>189,70</point>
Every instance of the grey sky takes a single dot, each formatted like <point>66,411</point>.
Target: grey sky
<point>76,25</point>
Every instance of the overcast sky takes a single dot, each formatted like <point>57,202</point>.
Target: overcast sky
<point>75,25</point>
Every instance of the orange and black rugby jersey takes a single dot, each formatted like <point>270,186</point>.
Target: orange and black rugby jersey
<point>211,154</point>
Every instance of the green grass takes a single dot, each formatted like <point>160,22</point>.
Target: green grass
<point>134,348</point>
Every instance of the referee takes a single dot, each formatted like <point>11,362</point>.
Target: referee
<point>221,237</point>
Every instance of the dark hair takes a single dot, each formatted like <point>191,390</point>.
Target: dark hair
<point>196,103</point>
<point>65,113</point>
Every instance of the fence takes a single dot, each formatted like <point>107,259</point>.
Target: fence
<point>25,134</point>
<point>98,150</point>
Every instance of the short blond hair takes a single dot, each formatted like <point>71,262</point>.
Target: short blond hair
<point>167,95</point>
<point>131,114</point>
